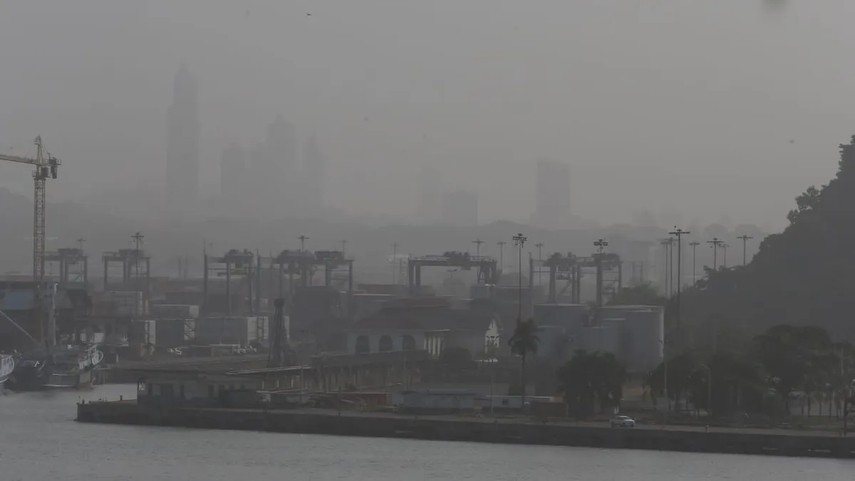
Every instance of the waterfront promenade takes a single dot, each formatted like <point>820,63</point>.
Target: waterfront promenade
<point>489,430</point>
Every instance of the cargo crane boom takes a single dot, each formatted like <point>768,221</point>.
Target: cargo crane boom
<point>44,167</point>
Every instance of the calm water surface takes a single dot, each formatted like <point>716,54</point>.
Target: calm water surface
<point>40,441</point>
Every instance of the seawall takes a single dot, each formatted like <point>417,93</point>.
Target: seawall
<point>444,428</point>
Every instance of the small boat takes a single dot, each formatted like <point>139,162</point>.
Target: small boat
<point>7,365</point>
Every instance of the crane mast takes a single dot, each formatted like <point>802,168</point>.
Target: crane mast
<point>44,168</point>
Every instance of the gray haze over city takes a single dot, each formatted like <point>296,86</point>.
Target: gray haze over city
<point>666,112</point>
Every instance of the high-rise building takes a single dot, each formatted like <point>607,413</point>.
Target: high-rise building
<point>182,149</point>
<point>233,175</point>
<point>279,183</point>
<point>460,208</point>
<point>552,207</point>
<point>314,176</point>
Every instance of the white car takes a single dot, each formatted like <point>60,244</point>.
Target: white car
<point>622,422</point>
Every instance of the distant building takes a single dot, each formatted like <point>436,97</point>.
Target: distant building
<point>279,185</point>
<point>313,177</point>
<point>460,208</point>
<point>432,328</point>
<point>182,150</point>
<point>233,173</point>
<point>552,206</point>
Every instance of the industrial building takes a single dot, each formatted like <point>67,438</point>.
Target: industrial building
<point>634,334</point>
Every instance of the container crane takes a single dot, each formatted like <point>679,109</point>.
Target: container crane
<point>44,167</point>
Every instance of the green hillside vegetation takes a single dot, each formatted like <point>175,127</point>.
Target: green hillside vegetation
<point>804,276</point>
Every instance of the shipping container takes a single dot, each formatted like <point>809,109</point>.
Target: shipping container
<point>119,304</point>
<point>175,311</point>
<point>231,330</point>
<point>175,332</point>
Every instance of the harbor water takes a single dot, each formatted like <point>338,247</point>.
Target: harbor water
<point>40,440</point>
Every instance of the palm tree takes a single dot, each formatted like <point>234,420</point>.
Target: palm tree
<point>523,342</point>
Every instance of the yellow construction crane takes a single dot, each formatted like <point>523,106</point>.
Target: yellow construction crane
<point>45,167</point>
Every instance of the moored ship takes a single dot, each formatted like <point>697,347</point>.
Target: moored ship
<point>68,366</point>
<point>7,365</point>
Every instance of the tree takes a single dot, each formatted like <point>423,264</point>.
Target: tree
<point>456,359</point>
<point>523,342</point>
<point>681,371</point>
<point>796,358</point>
<point>799,277</point>
<point>589,380</point>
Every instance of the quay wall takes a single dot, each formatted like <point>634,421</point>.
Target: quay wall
<point>472,430</point>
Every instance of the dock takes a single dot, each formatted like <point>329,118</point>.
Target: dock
<point>475,429</point>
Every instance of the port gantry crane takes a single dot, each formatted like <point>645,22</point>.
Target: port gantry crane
<point>44,167</point>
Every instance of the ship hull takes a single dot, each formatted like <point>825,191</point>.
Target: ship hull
<point>7,367</point>
<point>71,369</point>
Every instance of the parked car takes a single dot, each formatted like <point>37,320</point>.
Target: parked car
<point>622,422</point>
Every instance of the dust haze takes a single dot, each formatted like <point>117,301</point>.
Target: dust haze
<point>710,112</point>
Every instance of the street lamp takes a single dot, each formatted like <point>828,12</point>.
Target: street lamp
<point>667,243</point>
<point>694,245</point>
<point>519,241</point>
<point>665,366</point>
<point>744,239</point>
<point>714,243</point>
<point>679,233</point>
<point>477,243</point>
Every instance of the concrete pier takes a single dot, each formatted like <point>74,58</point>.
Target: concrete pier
<point>450,428</point>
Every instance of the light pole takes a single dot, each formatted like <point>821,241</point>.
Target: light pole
<point>744,239</point>
<point>666,243</point>
<point>724,247</point>
<point>679,233</point>
<point>714,243</point>
<point>303,240</point>
<point>477,243</point>
<point>694,245</point>
<point>519,241</point>
<point>665,371</point>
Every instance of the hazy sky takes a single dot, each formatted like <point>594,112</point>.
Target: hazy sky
<point>687,106</point>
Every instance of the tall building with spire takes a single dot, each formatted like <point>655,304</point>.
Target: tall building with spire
<point>182,149</point>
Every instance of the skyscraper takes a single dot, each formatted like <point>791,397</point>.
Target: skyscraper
<point>233,175</point>
<point>552,207</point>
<point>182,148</point>
<point>314,176</point>
<point>279,183</point>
